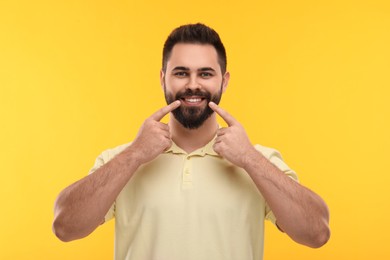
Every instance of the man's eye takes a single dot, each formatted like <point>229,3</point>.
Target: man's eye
<point>205,74</point>
<point>181,74</point>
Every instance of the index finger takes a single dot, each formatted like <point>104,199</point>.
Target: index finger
<point>165,110</point>
<point>225,115</point>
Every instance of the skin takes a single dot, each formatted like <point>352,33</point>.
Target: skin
<point>81,207</point>
<point>195,58</point>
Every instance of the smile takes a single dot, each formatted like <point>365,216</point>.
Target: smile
<point>192,100</point>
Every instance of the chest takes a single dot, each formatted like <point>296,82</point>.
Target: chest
<point>185,186</point>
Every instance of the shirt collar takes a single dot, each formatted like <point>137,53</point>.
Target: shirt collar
<point>207,149</point>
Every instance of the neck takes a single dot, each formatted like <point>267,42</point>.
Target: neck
<point>192,139</point>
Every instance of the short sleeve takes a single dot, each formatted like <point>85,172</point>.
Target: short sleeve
<point>100,161</point>
<point>275,158</point>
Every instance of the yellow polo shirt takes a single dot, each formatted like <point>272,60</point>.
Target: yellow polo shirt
<point>195,206</point>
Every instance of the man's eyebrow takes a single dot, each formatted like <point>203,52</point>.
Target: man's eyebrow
<point>206,69</point>
<point>187,69</point>
<point>180,68</point>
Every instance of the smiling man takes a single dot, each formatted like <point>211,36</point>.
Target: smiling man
<point>190,189</point>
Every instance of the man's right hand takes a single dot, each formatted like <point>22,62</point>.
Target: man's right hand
<point>153,137</point>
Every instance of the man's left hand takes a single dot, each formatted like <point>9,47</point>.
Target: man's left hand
<point>232,142</point>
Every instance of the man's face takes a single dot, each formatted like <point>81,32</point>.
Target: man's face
<point>193,76</point>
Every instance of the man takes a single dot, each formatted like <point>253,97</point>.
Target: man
<point>190,189</point>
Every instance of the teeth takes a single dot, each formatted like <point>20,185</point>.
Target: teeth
<point>193,100</point>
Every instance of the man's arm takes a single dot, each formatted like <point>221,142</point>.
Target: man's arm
<point>301,213</point>
<point>81,207</point>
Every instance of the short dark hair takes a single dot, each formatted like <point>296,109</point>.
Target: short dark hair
<point>195,33</point>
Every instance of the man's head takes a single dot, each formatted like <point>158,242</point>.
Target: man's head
<point>196,34</point>
<point>194,71</point>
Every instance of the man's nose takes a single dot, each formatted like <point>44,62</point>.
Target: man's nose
<point>193,82</point>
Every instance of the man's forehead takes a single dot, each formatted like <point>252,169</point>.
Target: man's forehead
<point>193,56</point>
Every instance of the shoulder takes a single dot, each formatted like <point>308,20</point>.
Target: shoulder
<point>267,152</point>
<point>276,158</point>
<point>107,155</point>
<point>112,152</point>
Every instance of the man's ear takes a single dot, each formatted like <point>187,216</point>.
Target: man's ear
<point>162,79</point>
<point>225,81</point>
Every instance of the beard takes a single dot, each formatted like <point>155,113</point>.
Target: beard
<point>188,116</point>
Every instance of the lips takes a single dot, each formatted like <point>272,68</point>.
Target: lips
<point>191,97</point>
<point>192,100</point>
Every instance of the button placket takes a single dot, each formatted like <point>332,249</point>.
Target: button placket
<point>187,175</point>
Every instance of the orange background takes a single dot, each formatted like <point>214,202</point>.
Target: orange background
<point>309,78</point>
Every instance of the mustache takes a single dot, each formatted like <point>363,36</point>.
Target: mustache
<point>190,92</point>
